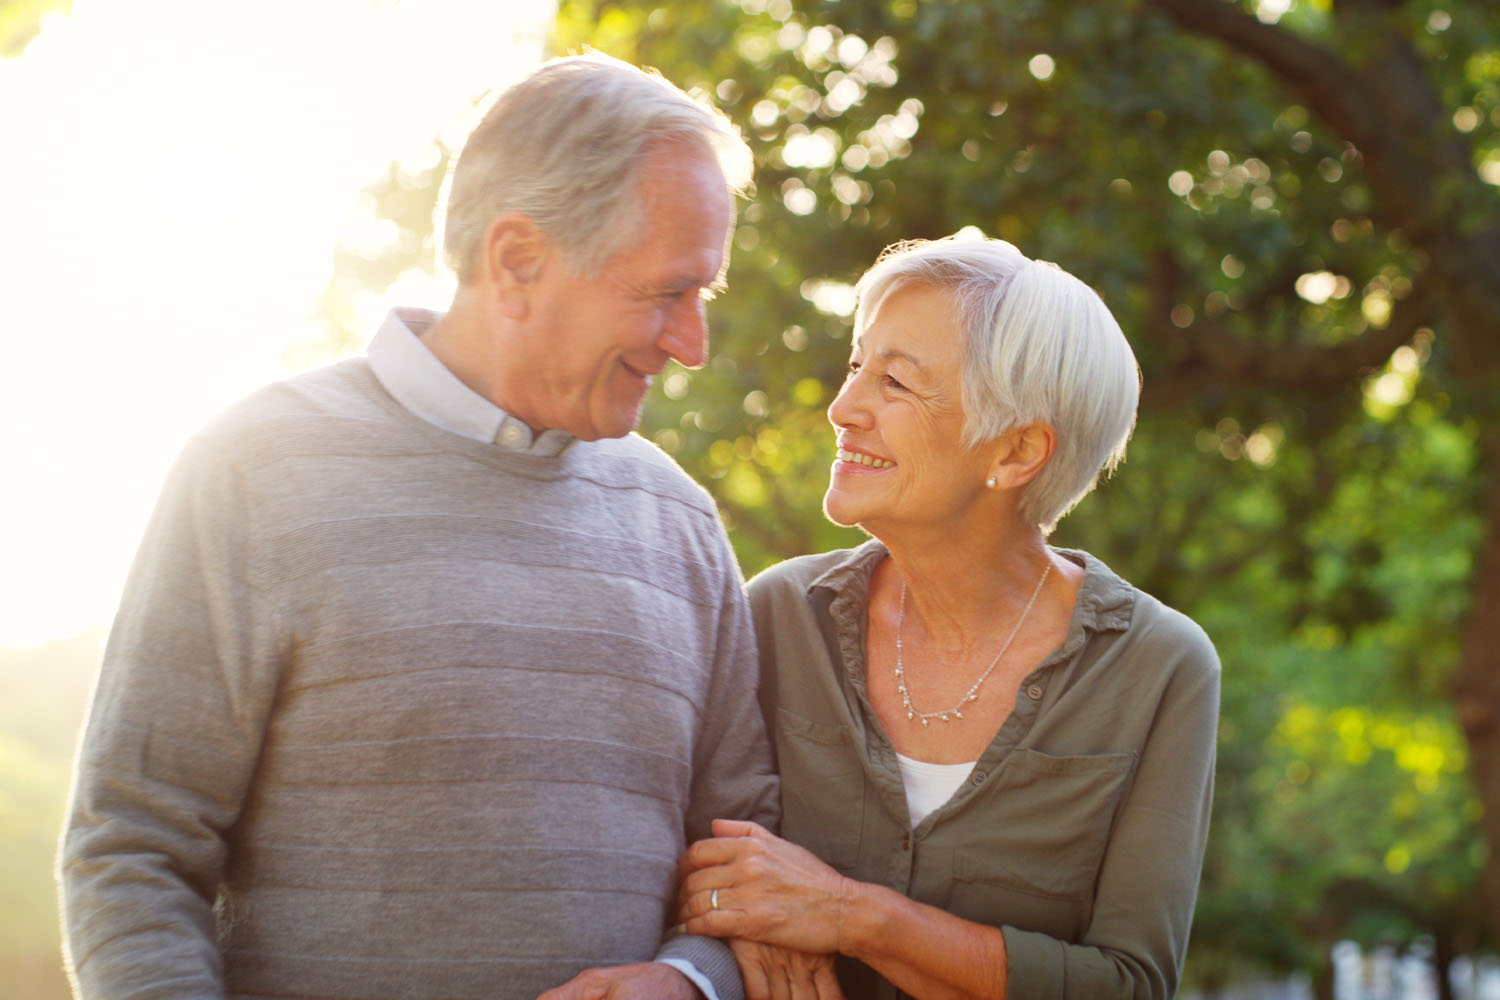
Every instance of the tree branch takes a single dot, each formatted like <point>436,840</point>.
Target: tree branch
<point>1317,74</point>
<point>1420,168</point>
<point>1217,357</point>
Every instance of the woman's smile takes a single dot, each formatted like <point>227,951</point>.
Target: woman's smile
<point>862,459</point>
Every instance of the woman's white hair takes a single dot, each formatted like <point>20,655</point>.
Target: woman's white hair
<point>1038,346</point>
<point>565,146</point>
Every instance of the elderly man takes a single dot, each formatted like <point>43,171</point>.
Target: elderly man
<point>428,668</point>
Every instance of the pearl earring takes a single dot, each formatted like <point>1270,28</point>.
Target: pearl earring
<point>990,482</point>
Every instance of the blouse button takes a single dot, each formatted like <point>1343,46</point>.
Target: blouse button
<point>1034,692</point>
<point>977,777</point>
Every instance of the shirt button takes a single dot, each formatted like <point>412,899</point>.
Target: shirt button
<point>1034,692</point>
<point>510,436</point>
<point>977,777</point>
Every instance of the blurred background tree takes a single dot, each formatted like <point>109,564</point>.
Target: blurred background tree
<point>1292,209</point>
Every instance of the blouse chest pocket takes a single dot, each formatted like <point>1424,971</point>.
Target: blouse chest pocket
<point>1052,821</point>
<point>822,788</point>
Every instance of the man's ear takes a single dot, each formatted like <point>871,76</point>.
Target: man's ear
<point>1020,454</point>
<point>513,251</point>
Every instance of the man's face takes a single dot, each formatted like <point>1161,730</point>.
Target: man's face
<point>596,343</point>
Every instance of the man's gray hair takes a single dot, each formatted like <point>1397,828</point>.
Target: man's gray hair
<point>1038,346</point>
<point>565,146</point>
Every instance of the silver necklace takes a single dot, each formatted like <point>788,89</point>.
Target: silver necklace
<point>973,693</point>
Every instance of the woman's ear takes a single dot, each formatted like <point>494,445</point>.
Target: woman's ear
<point>1020,454</point>
<point>514,249</point>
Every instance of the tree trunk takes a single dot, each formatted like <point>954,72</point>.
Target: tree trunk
<point>1443,954</point>
<point>1476,683</point>
<point>1322,983</point>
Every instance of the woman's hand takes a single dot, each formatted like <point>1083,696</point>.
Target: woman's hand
<point>749,883</point>
<point>772,973</point>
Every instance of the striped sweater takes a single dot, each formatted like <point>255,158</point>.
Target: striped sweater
<point>387,712</point>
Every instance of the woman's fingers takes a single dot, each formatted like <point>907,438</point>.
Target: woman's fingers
<point>761,887</point>
<point>700,916</point>
<point>741,828</point>
<point>695,893</point>
<point>712,852</point>
<point>772,973</point>
<point>781,987</point>
<point>825,982</point>
<point>716,911</point>
<point>749,956</point>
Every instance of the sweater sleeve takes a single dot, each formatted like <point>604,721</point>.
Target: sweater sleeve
<point>732,773</point>
<point>1148,882</point>
<point>171,741</point>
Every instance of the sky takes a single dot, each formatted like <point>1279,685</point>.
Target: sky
<point>174,175</point>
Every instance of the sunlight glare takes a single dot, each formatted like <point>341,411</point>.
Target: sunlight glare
<point>175,177</point>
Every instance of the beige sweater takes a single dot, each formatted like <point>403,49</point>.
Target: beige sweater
<point>391,713</point>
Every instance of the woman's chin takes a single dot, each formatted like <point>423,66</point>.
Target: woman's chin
<point>840,512</point>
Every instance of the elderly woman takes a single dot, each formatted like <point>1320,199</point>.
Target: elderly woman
<point>996,756</point>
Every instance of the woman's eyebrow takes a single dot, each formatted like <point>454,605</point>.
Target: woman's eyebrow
<point>893,353</point>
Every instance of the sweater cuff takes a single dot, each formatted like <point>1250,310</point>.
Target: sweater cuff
<point>717,973</point>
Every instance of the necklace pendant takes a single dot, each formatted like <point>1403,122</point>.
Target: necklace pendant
<point>909,715</point>
<point>924,720</point>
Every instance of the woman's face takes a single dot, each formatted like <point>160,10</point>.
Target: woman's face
<point>899,420</point>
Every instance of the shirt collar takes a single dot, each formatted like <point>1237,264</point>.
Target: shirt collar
<point>415,377</point>
<point>1104,601</point>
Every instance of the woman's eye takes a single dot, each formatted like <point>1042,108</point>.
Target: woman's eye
<point>894,383</point>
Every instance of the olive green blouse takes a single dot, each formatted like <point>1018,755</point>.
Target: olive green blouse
<point>1080,831</point>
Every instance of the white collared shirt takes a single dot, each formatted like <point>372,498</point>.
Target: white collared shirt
<point>420,382</point>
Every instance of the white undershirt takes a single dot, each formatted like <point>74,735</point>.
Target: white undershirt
<point>929,785</point>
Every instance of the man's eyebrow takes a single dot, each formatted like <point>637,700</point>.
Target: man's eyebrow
<point>710,286</point>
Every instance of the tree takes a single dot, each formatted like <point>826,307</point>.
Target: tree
<point>1291,207</point>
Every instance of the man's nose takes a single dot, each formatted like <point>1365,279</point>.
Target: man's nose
<point>685,336</point>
